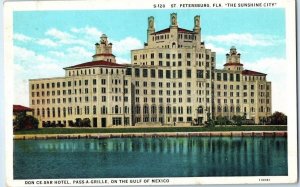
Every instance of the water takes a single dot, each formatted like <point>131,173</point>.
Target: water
<point>150,157</point>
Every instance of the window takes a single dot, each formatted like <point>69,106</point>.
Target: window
<point>179,73</point>
<point>219,77</point>
<point>160,74</point>
<point>188,55</point>
<point>208,74</point>
<point>145,73</point>
<point>128,71</point>
<point>152,72</point>
<point>189,73</point>
<point>168,74</point>
<point>160,55</point>
<point>231,77</point>
<point>238,77</point>
<point>94,81</point>
<point>137,72</point>
<point>224,76</point>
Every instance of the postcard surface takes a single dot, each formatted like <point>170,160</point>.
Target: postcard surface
<point>150,93</point>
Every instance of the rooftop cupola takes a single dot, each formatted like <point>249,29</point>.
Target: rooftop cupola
<point>103,50</point>
<point>233,60</point>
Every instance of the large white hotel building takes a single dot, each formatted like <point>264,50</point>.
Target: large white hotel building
<point>172,80</point>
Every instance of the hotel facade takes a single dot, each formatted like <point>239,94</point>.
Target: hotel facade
<point>173,80</point>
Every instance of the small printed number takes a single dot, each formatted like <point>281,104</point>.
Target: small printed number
<point>264,180</point>
<point>159,6</point>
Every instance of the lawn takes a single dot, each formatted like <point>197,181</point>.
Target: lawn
<point>157,129</point>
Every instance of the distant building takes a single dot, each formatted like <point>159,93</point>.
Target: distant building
<point>21,109</point>
<point>172,80</point>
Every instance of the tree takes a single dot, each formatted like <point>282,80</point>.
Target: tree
<point>23,121</point>
<point>238,120</point>
<point>278,118</point>
<point>86,122</point>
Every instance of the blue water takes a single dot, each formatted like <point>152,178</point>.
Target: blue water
<point>150,157</point>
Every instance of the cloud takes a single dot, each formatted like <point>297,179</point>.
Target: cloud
<point>89,31</point>
<point>216,49</point>
<point>58,34</point>
<point>123,60</point>
<point>125,45</point>
<point>277,71</point>
<point>27,57</point>
<point>21,37</point>
<point>46,42</point>
<point>246,39</point>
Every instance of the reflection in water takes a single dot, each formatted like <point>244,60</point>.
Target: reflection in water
<point>150,157</point>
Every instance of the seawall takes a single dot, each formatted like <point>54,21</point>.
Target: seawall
<point>152,135</point>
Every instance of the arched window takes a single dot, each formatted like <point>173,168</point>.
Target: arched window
<point>153,109</point>
<point>58,112</point>
<point>138,109</point>
<point>145,110</point>
<point>64,112</point>
<point>161,109</point>
<point>38,112</point>
<point>168,110</point>
<point>48,112</point>
<point>94,110</point>
<point>200,110</point>
<point>78,110</point>
<point>219,109</point>
<point>225,109</point>
<point>231,109</point>
<point>116,109</point>
<point>238,109</point>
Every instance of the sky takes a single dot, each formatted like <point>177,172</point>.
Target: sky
<point>47,41</point>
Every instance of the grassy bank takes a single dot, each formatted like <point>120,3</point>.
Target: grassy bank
<point>141,130</point>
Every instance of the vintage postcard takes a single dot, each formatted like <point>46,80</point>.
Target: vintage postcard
<point>127,92</point>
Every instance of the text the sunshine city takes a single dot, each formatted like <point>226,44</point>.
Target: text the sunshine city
<point>215,5</point>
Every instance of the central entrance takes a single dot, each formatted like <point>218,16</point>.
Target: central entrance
<point>94,122</point>
<point>103,122</point>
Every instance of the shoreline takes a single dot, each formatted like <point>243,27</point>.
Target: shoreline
<point>151,135</point>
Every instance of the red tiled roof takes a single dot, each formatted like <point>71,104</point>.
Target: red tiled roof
<point>233,64</point>
<point>249,72</point>
<point>100,63</point>
<point>104,54</point>
<point>20,108</point>
<point>167,30</point>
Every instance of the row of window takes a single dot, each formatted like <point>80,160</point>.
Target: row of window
<point>237,109</point>
<point>252,101</point>
<point>161,119</point>
<point>145,110</point>
<point>76,83</point>
<point>95,71</point>
<point>161,100</point>
<point>76,100</point>
<point>153,73</point>
<point>245,87</point>
<point>77,91</point>
<point>173,56</point>
<point>64,111</point>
